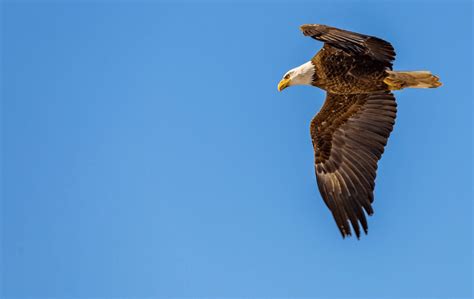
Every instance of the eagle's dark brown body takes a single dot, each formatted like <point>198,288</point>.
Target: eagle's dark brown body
<point>341,73</point>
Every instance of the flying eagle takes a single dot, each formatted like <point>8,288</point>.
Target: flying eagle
<point>351,129</point>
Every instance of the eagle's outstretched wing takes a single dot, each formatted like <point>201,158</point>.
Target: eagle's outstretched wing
<point>349,134</point>
<point>351,42</point>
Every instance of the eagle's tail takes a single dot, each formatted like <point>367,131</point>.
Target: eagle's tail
<point>414,79</point>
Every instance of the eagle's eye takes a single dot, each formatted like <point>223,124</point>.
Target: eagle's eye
<point>287,76</point>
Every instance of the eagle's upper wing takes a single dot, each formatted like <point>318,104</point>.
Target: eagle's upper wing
<point>351,42</point>
<point>349,134</point>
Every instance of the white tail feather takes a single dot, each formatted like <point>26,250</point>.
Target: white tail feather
<point>414,79</point>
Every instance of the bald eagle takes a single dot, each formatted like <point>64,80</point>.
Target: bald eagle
<point>350,131</point>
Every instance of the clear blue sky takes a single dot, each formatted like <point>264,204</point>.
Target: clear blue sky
<point>147,153</point>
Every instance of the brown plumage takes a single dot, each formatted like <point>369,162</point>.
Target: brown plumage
<point>352,128</point>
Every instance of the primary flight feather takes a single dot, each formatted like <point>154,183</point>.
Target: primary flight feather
<point>350,131</point>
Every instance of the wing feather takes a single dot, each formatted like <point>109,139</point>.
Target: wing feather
<point>352,42</point>
<point>349,135</point>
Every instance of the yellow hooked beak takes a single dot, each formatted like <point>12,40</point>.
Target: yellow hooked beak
<point>284,83</point>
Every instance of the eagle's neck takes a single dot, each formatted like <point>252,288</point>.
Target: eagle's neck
<point>303,74</point>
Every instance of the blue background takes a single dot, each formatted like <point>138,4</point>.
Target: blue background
<point>147,152</point>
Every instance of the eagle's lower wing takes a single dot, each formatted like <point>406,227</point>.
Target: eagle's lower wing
<point>349,134</point>
<point>351,42</point>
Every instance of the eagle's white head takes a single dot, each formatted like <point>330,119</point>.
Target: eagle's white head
<point>301,75</point>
